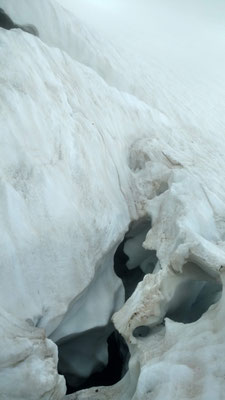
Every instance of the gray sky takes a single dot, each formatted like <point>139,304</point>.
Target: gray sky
<point>164,27</point>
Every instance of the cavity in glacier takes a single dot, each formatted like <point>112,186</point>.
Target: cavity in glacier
<point>89,145</point>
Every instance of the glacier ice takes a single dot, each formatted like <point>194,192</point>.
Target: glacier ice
<point>111,185</point>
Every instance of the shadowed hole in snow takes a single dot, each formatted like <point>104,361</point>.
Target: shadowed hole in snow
<point>141,331</point>
<point>192,298</point>
<point>85,354</point>
<point>131,261</point>
<point>194,295</point>
<point>118,357</point>
<point>145,330</point>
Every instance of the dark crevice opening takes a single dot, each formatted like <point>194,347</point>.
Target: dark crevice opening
<point>117,366</point>
<point>130,278</point>
<point>145,330</point>
<point>77,352</point>
<point>131,261</point>
<point>191,299</point>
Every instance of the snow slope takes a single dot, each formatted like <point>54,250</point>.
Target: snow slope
<point>88,145</point>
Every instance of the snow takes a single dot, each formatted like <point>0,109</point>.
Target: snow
<point>88,145</point>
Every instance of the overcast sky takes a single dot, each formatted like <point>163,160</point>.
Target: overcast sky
<point>165,29</point>
<point>162,25</point>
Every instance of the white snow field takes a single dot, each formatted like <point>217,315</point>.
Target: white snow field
<point>96,144</point>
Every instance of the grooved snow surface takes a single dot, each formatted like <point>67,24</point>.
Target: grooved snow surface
<point>89,144</point>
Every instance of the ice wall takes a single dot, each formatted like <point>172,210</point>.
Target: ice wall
<point>88,145</point>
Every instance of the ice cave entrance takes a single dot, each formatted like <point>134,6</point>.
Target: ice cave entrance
<point>118,356</point>
<point>131,263</point>
<point>194,295</point>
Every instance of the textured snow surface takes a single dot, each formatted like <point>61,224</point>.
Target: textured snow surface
<point>88,145</point>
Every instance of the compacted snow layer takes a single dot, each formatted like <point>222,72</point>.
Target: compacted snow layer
<point>88,146</point>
